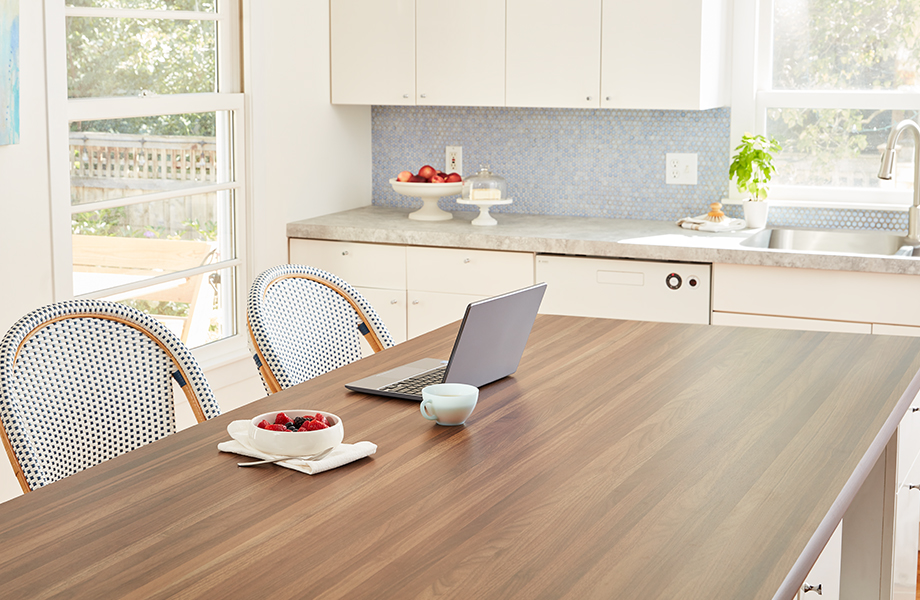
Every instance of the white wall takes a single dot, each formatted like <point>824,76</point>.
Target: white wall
<point>306,158</point>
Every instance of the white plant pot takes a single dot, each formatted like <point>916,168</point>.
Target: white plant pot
<point>755,213</point>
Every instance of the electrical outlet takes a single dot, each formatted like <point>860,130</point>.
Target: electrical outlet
<point>681,168</point>
<point>453,160</point>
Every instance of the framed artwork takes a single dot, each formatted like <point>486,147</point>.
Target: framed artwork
<point>9,72</point>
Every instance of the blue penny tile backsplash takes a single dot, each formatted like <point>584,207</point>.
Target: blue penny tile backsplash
<point>582,162</point>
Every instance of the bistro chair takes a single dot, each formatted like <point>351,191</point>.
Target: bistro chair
<point>83,381</point>
<point>304,322</point>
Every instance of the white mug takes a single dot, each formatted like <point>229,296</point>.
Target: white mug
<point>449,403</point>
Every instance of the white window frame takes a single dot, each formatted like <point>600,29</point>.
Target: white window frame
<point>752,54</point>
<point>61,111</point>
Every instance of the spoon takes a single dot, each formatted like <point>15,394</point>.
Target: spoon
<point>317,456</point>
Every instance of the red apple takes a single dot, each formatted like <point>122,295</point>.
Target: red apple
<point>438,179</point>
<point>454,178</point>
<point>404,176</point>
<point>427,172</point>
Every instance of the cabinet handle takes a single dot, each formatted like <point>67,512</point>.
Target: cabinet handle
<point>812,588</point>
<point>607,98</point>
<point>913,487</point>
<point>344,252</point>
<point>914,408</point>
<point>466,260</point>
<point>589,98</point>
<point>424,95</point>
<point>405,95</point>
<point>394,301</point>
<point>415,302</point>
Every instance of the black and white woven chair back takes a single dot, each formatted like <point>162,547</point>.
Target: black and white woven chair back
<point>304,322</point>
<point>83,381</point>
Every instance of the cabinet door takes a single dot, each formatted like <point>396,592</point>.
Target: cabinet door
<point>429,310</point>
<point>553,53</point>
<point>372,51</point>
<point>460,53</point>
<point>906,538</point>
<point>826,571</point>
<point>662,54</point>
<point>391,308</point>
<point>767,322</point>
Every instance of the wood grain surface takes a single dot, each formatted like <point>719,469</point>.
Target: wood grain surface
<point>623,460</point>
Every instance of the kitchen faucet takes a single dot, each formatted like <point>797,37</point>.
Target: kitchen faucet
<point>884,172</point>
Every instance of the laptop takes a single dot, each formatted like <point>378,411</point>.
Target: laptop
<point>489,346</point>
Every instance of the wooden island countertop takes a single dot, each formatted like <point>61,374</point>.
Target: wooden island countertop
<point>622,460</point>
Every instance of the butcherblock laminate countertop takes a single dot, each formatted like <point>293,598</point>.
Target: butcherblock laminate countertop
<point>614,238</point>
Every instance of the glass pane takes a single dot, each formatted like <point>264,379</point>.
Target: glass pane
<point>198,5</point>
<point>126,157</point>
<point>197,309</point>
<point>128,244</point>
<point>845,44</point>
<point>127,57</point>
<point>838,147</point>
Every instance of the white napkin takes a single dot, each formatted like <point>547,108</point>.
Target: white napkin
<point>342,455</point>
<point>701,223</point>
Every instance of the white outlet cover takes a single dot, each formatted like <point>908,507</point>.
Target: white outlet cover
<point>681,168</point>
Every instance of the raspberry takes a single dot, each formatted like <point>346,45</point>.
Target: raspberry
<point>282,419</point>
<point>316,424</point>
<point>277,427</point>
<point>263,424</point>
<point>319,417</point>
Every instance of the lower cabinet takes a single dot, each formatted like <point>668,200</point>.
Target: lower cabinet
<point>815,300</point>
<point>417,289</point>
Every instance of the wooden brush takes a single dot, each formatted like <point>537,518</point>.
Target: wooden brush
<point>715,213</point>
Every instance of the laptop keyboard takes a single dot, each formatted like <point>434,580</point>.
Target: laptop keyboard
<point>413,385</point>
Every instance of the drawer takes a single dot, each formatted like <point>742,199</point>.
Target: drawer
<point>361,265</point>
<point>391,308</point>
<point>826,570</point>
<point>475,272</point>
<point>624,289</point>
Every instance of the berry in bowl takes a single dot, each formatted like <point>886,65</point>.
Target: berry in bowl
<point>295,432</point>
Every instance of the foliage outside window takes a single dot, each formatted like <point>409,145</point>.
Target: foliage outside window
<point>839,75</point>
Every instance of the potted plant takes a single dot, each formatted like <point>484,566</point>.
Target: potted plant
<point>752,167</point>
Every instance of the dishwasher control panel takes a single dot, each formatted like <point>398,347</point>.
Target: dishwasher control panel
<point>615,288</point>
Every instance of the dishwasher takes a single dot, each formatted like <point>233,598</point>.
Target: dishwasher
<point>635,290</point>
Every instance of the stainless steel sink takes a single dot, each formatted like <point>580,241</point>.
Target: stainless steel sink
<point>832,241</point>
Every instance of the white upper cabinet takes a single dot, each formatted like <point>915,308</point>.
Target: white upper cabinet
<point>650,54</point>
<point>460,52</point>
<point>425,52</point>
<point>662,54</point>
<point>553,53</point>
<point>372,51</point>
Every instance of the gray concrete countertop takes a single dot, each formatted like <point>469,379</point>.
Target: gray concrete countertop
<point>615,238</point>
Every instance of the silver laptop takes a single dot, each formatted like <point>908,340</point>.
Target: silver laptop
<point>489,346</point>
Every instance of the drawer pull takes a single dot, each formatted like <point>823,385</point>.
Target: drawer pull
<point>344,252</point>
<point>415,302</point>
<point>424,95</point>
<point>812,588</point>
<point>466,260</point>
<point>394,301</point>
<point>913,487</point>
<point>589,98</point>
<point>405,95</point>
<point>914,408</point>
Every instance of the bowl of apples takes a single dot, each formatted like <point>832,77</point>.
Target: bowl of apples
<point>430,185</point>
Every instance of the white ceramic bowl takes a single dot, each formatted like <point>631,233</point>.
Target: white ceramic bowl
<point>426,190</point>
<point>296,443</point>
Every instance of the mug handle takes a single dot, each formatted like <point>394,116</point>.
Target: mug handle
<point>424,406</point>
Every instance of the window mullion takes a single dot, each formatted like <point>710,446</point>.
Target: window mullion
<point>131,13</point>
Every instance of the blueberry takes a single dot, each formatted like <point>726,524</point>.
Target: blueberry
<point>290,425</point>
<point>299,421</point>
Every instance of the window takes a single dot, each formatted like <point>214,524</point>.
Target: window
<point>148,194</point>
<point>830,80</point>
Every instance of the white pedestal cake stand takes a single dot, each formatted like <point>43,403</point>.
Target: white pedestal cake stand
<point>485,219</point>
<point>430,193</point>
